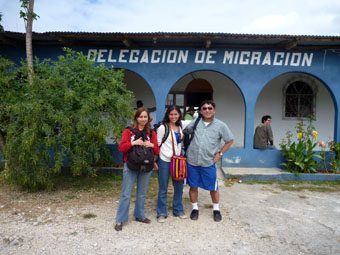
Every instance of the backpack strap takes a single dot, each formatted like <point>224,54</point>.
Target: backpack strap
<point>196,123</point>
<point>193,130</point>
<point>139,133</point>
<point>172,141</point>
<point>151,134</point>
<point>166,133</point>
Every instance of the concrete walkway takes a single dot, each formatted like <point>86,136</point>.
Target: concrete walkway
<point>265,174</point>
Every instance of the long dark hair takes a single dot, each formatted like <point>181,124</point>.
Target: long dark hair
<point>166,115</point>
<point>137,114</point>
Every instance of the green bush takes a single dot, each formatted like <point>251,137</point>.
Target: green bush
<point>334,149</point>
<point>67,112</point>
<point>300,156</point>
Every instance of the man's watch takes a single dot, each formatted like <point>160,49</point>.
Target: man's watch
<point>221,153</point>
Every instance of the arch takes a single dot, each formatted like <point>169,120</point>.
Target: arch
<point>271,100</point>
<point>141,90</point>
<point>197,91</point>
<point>199,85</point>
<point>230,104</point>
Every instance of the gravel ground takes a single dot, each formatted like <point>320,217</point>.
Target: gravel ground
<point>257,219</point>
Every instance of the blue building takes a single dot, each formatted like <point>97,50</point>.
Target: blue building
<point>248,76</point>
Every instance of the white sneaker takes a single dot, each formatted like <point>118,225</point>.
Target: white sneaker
<point>182,216</point>
<point>161,219</point>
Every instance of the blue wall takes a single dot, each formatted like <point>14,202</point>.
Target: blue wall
<point>250,70</point>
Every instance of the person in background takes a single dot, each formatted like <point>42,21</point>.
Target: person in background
<point>141,121</point>
<point>263,137</point>
<point>139,103</point>
<point>190,113</point>
<point>203,153</point>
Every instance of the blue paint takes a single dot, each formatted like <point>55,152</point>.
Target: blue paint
<point>252,158</point>
<point>284,177</point>
<point>249,78</point>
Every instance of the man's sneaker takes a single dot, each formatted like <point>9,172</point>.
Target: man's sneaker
<point>161,219</point>
<point>194,214</point>
<point>217,215</point>
<point>182,216</point>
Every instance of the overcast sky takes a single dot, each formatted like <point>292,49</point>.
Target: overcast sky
<point>293,17</point>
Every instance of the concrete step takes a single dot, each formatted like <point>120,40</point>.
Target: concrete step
<point>274,174</point>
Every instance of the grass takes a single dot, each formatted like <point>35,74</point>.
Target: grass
<point>82,188</point>
<point>89,215</point>
<point>325,186</point>
<point>103,185</point>
<point>101,182</point>
<point>110,185</point>
<point>70,196</point>
<point>69,191</point>
<point>317,186</point>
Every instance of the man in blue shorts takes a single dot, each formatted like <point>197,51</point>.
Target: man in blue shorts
<point>204,151</point>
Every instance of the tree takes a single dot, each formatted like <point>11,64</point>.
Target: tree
<point>7,66</point>
<point>63,117</point>
<point>4,80</point>
<point>10,90</point>
<point>1,27</point>
<point>28,15</point>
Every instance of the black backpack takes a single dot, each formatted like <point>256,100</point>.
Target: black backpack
<point>140,158</point>
<point>166,134</point>
<point>189,136</point>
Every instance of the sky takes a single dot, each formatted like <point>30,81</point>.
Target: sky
<point>290,17</point>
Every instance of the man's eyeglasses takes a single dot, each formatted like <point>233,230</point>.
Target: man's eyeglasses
<point>207,108</point>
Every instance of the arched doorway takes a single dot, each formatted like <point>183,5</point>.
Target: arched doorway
<point>192,94</point>
<point>197,91</point>
<point>142,92</point>
<point>206,84</point>
<point>290,98</point>
<point>140,88</point>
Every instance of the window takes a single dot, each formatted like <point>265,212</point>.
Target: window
<point>299,100</point>
<point>176,98</point>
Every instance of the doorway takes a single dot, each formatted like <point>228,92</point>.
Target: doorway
<point>195,98</point>
<point>197,91</point>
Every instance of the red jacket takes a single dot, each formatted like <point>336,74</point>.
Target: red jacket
<point>128,136</point>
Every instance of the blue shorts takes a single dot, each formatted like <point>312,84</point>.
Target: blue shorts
<point>202,177</point>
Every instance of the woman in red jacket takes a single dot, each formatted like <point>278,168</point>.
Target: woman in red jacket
<point>141,122</point>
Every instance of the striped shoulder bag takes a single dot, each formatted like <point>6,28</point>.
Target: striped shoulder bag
<point>178,164</point>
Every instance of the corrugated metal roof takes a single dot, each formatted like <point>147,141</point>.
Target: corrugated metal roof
<point>176,39</point>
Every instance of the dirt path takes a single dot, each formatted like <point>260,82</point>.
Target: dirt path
<point>257,219</point>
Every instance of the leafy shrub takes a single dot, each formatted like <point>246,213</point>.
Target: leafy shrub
<point>66,113</point>
<point>300,157</point>
<point>335,156</point>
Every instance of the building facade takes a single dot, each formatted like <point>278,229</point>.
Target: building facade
<point>248,76</point>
